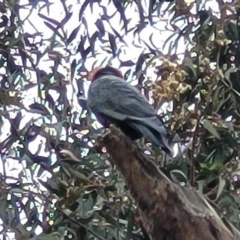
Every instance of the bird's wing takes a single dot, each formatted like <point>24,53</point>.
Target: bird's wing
<point>116,98</point>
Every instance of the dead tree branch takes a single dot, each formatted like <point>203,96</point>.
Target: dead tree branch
<point>168,211</point>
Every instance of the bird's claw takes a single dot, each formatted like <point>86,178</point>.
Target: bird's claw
<point>106,132</point>
<point>102,135</point>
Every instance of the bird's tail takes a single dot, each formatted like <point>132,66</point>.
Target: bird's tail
<point>155,132</point>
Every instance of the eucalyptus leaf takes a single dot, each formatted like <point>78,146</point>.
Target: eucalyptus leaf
<point>208,126</point>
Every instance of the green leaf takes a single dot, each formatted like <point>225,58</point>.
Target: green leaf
<point>208,126</point>
<point>73,35</point>
<point>221,186</point>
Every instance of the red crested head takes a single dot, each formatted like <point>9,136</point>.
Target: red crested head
<point>102,71</point>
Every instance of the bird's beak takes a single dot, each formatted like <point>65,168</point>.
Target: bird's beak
<point>91,74</point>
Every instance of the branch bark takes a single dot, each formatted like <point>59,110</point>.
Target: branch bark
<point>168,211</point>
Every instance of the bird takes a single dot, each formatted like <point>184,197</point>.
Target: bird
<point>114,101</point>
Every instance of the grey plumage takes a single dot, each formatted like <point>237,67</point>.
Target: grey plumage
<point>113,100</point>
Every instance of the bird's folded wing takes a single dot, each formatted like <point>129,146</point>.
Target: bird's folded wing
<point>118,99</point>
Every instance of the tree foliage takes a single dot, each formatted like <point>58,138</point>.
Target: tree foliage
<point>55,178</point>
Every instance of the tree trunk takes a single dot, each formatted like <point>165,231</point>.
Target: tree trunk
<point>168,211</point>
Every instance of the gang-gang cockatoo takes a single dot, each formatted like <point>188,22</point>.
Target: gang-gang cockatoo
<point>114,101</point>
